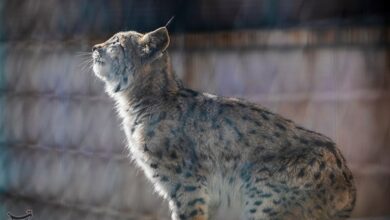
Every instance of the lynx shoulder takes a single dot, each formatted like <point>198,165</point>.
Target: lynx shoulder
<point>200,150</point>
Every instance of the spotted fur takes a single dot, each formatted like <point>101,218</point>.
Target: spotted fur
<point>200,150</point>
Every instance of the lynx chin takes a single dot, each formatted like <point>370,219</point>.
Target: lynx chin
<point>202,151</point>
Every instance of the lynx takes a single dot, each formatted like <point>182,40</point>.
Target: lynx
<point>199,149</point>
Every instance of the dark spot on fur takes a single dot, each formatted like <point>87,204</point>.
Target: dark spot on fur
<point>214,124</point>
<point>228,105</point>
<point>234,127</point>
<point>166,144</point>
<point>301,173</point>
<point>282,168</point>
<point>319,186</point>
<point>258,202</point>
<point>266,195</point>
<point>195,201</point>
<point>242,105</point>
<point>322,165</point>
<point>304,141</point>
<point>164,179</point>
<point>159,154</point>
<point>280,126</point>
<point>173,155</point>
<point>246,172</point>
<point>338,162</point>
<point>189,188</point>
<point>191,92</point>
<point>268,138</point>
<point>221,109</point>
<point>276,202</point>
<point>328,144</point>
<point>268,158</point>
<point>258,124</point>
<point>150,134</point>
<point>187,175</point>
<point>318,143</point>
<point>317,175</point>
<point>146,149</point>
<point>345,176</point>
<point>286,144</point>
<point>252,131</point>
<point>178,169</point>
<point>203,115</point>
<point>193,213</point>
<point>253,108</point>
<point>174,192</point>
<point>188,93</point>
<point>265,116</point>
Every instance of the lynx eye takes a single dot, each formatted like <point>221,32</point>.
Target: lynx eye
<point>115,41</point>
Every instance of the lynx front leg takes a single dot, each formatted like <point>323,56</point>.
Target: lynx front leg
<point>189,202</point>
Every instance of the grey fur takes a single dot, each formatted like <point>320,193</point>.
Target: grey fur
<point>199,149</point>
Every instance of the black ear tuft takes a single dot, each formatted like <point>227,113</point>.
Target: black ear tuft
<point>169,22</point>
<point>154,43</point>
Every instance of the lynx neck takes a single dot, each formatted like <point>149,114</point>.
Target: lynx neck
<point>149,88</point>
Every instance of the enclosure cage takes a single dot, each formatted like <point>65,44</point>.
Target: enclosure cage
<point>323,64</point>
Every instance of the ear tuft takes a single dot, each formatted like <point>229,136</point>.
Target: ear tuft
<point>154,43</point>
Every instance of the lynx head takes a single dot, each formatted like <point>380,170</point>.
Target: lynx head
<point>117,60</point>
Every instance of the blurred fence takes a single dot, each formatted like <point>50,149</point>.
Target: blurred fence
<point>62,151</point>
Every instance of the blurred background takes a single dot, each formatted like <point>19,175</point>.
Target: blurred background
<point>323,63</point>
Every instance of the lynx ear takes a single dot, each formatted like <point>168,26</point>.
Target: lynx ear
<point>154,43</point>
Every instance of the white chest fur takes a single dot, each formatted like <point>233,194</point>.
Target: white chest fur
<point>136,145</point>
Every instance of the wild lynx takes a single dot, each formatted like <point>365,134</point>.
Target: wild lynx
<point>199,149</point>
